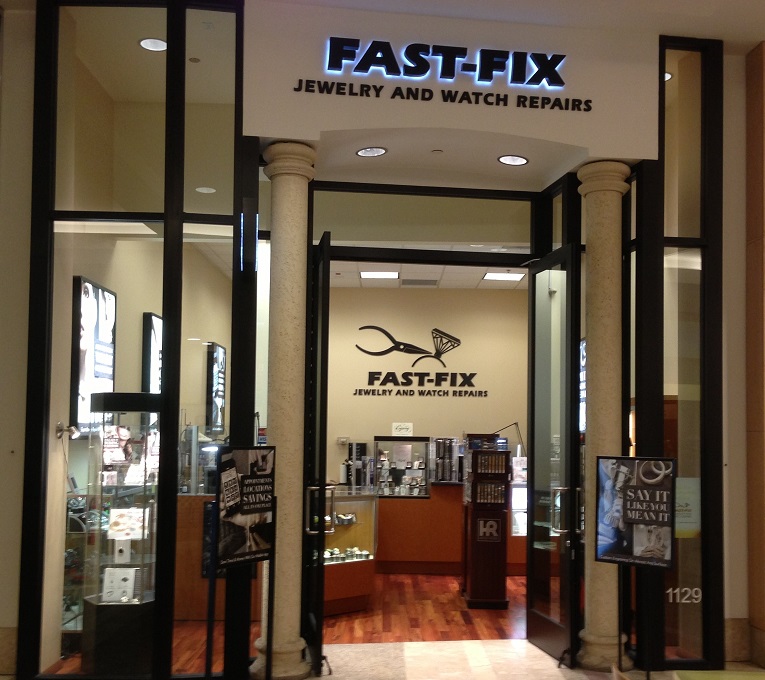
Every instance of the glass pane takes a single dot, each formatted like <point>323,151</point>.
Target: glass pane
<point>111,110</point>
<point>682,145</point>
<point>557,221</point>
<point>682,413</point>
<point>547,586</point>
<point>427,222</point>
<point>99,304</point>
<point>206,343</point>
<point>210,92</point>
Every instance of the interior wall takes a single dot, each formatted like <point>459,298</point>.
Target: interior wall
<point>492,329</point>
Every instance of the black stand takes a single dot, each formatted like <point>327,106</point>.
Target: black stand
<point>270,614</point>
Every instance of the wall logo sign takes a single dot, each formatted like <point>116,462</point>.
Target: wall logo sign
<point>418,383</point>
<point>348,57</point>
<point>443,342</point>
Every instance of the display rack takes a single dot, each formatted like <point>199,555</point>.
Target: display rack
<point>118,591</point>
<point>401,466</point>
<point>486,496</point>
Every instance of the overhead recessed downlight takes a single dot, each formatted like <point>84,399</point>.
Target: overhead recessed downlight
<point>510,159</point>
<point>667,76</point>
<point>194,60</point>
<point>194,339</point>
<point>476,245</point>
<point>371,151</point>
<point>205,190</point>
<point>153,44</point>
<point>378,275</point>
<point>503,276</point>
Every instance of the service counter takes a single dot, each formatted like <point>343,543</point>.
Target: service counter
<point>418,535</point>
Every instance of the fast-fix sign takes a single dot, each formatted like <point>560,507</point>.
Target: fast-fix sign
<point>446,62</point>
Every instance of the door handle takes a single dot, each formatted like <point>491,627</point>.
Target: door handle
<point>558,494</point>
<point>309,490</point>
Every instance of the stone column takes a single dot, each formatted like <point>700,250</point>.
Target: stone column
<point>602,186</point>
<point>290,168</point>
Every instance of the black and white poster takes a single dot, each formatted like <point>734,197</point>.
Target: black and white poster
<point>245,503</point>
<point>216,388</point>
<point>94,310</point>
<point>636,510</point>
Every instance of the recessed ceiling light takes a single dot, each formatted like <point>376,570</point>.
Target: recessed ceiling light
<point>503,276</point>
<point>667,76</point>
<point>476,245</point>
<point>194,339</point>
<point>371,151</point>
<point>153,44</point>
<point>205,190</point>
<point>194,60</point>
<point>510,159</point>
<point>378,275</point>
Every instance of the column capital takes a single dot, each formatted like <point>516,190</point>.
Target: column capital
<point>603,176</point>
<point>290,158</point>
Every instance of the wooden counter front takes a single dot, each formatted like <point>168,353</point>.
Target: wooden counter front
<point>424,535</point>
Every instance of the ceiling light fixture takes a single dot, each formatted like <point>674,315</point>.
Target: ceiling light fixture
<point>667,76</point>
<point>371,151</point>
<point>378,275</point>
<point>205,190</point>
<point>153,44</point>
<point>510,159</point>
<point>503,276</point>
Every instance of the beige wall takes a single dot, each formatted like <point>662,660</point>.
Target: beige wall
<point>16,104</point>
<point>492,329</point>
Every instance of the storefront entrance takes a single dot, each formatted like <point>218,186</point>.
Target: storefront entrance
<point>363,344</point>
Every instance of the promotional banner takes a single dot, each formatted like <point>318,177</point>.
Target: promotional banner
<point>636,510</point>
<point>245,503</point>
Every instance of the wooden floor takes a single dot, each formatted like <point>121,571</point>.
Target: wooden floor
<point>404,608</point>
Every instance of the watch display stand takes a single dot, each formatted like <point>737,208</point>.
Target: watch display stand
<point>118,613</point>
<point>487,497</point>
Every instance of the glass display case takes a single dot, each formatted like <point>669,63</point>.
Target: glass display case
<point>197,461</point>
<point>118,584</point>
<point>401,466</point>
<point>447,456</point>
<point>355,527</point>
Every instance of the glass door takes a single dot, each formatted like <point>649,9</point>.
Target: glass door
<point>314,476</point>
<point>552,575</point>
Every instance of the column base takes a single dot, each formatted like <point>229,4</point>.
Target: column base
<point>601,652</point>
<point>287,663</point>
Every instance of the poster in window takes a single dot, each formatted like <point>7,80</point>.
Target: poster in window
<point>94,312</point>
<point>245,503</point>
<point>216,388</point>
<point>636,510</point>
<point>151,370</point>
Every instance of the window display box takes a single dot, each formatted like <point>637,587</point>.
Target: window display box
<point>349,552</point>
<point>401,466</point>
<point>119,586</point>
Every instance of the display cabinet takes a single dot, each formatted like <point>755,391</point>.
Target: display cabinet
<point>350,544</point>
<point>447,460</point>
<point>487,495</point>
<point>401,466</point>
<point>118,587</point>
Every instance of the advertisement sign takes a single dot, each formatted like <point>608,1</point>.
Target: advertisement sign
<point>94,310</point>
<point>636,510</point>
<point>216,388</point>
<point>245,503</point>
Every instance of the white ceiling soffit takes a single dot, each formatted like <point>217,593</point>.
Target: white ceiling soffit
<point>440,157</point>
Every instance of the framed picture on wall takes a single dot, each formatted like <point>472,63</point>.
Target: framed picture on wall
<point>151,363</point>
<point>216,388</point>
<point>94,327</point>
